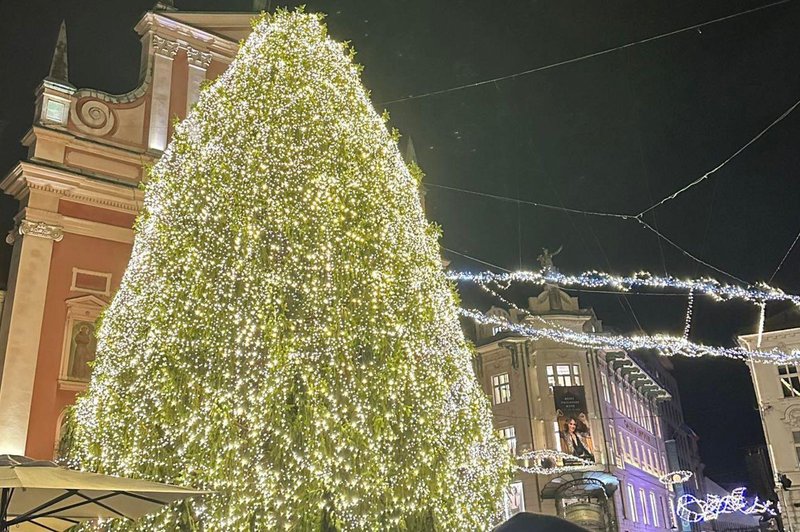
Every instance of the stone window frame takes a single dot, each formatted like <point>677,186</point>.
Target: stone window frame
<point>563,374</point>
<point>59,429</point>
<point>789,379</point>
<point>509,435</point>
<point>521,486</point>
<point>501,388</point>
<point>82,308</point>
<point>74,288</point>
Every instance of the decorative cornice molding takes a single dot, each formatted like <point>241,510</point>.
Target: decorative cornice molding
<point>222,48</point>
<point>37,229</point>
<point>165,47</point>
<point>30,176</point>
<point>198,58</point>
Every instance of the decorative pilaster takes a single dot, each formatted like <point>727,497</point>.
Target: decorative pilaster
<point>199,62</point>
<point>21,328</point>
<point>163,51</point>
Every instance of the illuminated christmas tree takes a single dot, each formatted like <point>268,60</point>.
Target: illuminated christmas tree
<point>284,334</point>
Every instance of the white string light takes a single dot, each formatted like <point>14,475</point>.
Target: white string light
<point>535,462</point>
<point>687,326</point>
<point>676,477</point>
<point>756,294</point>
<point>664,344</point>
<point>284,335</point>
<point>694,510</point>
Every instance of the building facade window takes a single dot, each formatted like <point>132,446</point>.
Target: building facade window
<point>509,434</point>
<point>563,375</point>
<point>672,521</point>
<point>621,444</point>
<point>796,437</point>
<point>643,500</point>
<point>501,388</point>
<point>790,381</point>
<point>515,501</point>
<point>613,449</point>
<point>631,503</point>
<point>654,508</point>
<point>604,382</point>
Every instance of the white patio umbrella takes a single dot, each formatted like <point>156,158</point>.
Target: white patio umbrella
<point>41,495</point>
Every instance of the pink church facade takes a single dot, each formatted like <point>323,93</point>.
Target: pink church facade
<point>78,192</point>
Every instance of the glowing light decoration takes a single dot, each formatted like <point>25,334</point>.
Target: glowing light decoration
<point>757,294</point>
<point>664,344</point>
<point>676,477</point>
<point>693,510</point>
<point>546,462</point>
<point>284,334</point>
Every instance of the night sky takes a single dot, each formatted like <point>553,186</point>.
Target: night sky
<point>612,133</point>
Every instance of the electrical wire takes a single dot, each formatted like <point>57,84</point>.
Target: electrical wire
<point>784,258</point>
<point>585,56</point>
<point>719,166</point>
<point>476,259</point>
<point>693,257</point>
<point>532,203</point>
<point>591,213</point>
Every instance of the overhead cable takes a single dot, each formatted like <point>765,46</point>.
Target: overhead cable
<point>585,56</point>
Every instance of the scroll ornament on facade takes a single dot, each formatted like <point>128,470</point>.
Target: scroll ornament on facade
<point>38,229</point>
<point>792,416</point>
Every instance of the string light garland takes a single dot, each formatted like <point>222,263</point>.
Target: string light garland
<point>687,325</point>
<point>693,510</point>
<point>664,344</point>
<point>284,335</point>
<point>545,462</point>
<point>676,477</point>
<point>759,293</point>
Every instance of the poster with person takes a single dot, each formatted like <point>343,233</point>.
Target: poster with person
<point>572,419</point>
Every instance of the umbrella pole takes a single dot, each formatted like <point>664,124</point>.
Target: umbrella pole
<point>5,499</point>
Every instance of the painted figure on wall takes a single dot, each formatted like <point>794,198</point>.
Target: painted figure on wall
<point>82,350</point>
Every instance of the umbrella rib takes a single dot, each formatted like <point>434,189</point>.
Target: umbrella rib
<point>142,497</point>
<point>30,515</point>
<point>24,517</point>
<point>43,526</point>
<point>97,500</point>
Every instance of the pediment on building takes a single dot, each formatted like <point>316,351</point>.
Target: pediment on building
<point>88,302</point>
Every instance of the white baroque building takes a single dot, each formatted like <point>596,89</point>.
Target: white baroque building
<point>778,394</point>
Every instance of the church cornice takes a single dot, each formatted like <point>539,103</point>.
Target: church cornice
<point>166,27</point>
<point>27,177</point>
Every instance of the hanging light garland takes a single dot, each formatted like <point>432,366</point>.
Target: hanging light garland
<point>759,293</point>
<point>665,344</point>
<point>545,462</point>
<point>694,510</point>
<point>687,326</point>
<point>676,477</point>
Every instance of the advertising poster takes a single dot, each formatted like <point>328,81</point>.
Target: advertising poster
<point>573,421</point>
